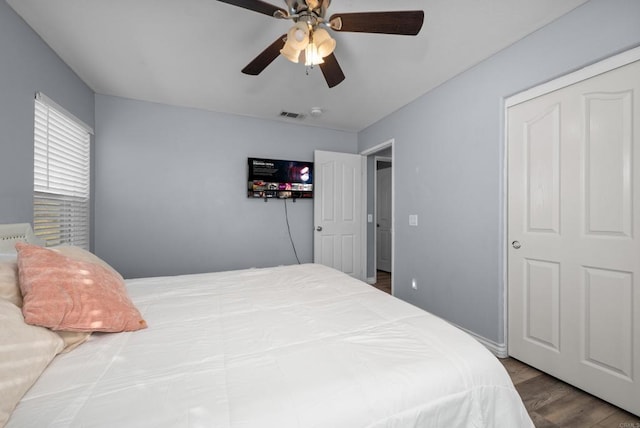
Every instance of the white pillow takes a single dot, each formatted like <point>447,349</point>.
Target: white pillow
<point>25,351</point>
<point>9,286</point>
<point>8,257</point>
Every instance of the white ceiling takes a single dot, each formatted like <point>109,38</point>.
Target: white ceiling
<point>190,53</point>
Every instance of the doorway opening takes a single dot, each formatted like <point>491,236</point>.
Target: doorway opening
<point>383,220</point>
<point>379,213</point>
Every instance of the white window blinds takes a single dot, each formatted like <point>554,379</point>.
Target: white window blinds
<point>61,187</point>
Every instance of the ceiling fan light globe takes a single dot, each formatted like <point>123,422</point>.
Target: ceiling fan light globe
<point>298,36</point>
<point>323,41</point>
<point>326,48</point>
<point>311,56</point>
<point>290,53</point>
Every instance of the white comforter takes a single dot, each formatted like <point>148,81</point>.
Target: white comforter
<point>299,346</point>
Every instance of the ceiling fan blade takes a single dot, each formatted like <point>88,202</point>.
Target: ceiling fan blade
<point>258,6</point>
<point>331,70</point>
<point>265,58</point>
<point>406,23</point>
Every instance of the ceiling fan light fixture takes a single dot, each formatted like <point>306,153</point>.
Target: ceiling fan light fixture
<point>298,36</point>
<point>311,55</point>
<point>325,44</point>
<point>290,53</point>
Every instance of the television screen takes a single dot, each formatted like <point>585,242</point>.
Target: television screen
<point>271,178</point>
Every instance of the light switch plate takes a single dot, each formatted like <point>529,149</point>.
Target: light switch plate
<point>413,219</point>
<point>370,218</point>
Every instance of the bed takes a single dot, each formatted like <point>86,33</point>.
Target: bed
<point>287,346</point>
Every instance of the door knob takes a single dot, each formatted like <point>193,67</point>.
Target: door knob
<point>319,228</point>
<point>516,245</point>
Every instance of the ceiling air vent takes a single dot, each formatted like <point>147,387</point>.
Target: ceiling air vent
<point>290,115</point>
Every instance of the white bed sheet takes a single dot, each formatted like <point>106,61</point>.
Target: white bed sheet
<point>298,346</point>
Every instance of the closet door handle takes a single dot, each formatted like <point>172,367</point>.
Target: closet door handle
<point>516,245</point>
<point>319,228</point>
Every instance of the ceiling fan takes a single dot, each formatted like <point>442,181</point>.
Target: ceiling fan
<point>308,39</point>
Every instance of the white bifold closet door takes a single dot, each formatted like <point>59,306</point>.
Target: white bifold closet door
<point>573,234</point>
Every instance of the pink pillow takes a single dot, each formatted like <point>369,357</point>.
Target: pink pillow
<point>62,293</point>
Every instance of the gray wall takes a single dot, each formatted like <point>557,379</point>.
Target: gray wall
<point>171,189</point>
<point>28,65</point>
<point>449,164</point>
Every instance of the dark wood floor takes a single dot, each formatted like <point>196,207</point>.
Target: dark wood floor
<point>383,281</point>
<point>550,402</point>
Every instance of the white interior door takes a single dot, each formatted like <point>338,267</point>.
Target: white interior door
<point>573,225</point>
<point>338,211</point>
<point>383,218</point>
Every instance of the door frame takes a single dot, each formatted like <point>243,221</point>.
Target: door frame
<point>600,67</point>
<point>365,153</point>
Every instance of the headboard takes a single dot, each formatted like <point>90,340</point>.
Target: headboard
<point>12,233</point>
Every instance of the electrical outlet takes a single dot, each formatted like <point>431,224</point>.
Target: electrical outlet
<point>414,284</point>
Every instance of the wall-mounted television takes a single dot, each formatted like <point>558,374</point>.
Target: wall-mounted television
<point>273,178</point>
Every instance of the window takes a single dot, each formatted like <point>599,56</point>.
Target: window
<point>61,185</point>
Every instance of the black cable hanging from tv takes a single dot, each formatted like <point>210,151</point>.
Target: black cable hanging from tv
<point>286,216</point>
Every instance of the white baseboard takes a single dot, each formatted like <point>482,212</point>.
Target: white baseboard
<point>498,349</point>
<point>371,280</point>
